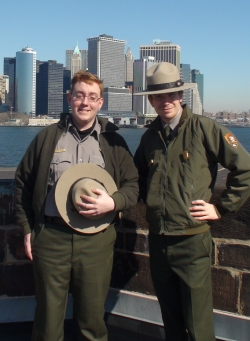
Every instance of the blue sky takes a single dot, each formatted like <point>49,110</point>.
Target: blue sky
<point>214,36</point>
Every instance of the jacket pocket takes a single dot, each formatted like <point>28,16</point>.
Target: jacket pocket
<point>59,164</point>
<point>206,240</point>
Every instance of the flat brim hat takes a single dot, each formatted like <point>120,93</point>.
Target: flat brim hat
<point>163,78</point>
<point>77,180</point>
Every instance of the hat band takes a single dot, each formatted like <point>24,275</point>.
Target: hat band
<point>165,86</point>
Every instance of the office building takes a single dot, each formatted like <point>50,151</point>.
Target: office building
<point>196,101</point>
<point>26,81</point>
<point>141,104</point>
<point>106,59</point>
<point>84,58</point>
<point>76,61</point>
<point>185,74</point>
<point>163,51</point>
<point>66,89</point>
<point>50,89</point>
<point>129,63</point>
<point>118,99</point>
<point>9,69</point>
<point>198,78</point>
<point>4,89</point>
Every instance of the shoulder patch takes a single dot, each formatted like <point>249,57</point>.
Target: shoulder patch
<point>231,139</point>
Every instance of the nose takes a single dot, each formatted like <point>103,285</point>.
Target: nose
<point>85,99</point>
<point>166,98</point>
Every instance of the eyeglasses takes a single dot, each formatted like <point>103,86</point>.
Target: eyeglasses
<point>81,97</point>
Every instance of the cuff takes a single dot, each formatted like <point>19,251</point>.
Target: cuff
<point>119,200</point>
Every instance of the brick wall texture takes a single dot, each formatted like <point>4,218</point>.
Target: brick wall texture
<point>230,259</point>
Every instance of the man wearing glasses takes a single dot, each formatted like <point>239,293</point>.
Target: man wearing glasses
<point>60,254</point>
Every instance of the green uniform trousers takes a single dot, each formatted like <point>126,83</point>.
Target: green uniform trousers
<point>181,274</point>
<point>63,257</point>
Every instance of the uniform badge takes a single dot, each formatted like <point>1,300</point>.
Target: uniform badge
<point>231,139</point>
<point>60,150</point>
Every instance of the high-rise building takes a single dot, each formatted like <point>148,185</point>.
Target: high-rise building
<point>66,89</point>
<point>76,61</point>
<point>117,99</point>
<point>106,59</point>
<point>185,74</point>
<point>50,89</point>
<point>141,103</point>
<point>198,78</point>
<point>4,89</point>
<point>84,57</point>
<point>163,51</point>
<point>196,101</point>
<point>26,81</point>
<point>9,69</point>
<point>129,61</point>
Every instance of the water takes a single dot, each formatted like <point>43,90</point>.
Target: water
<point>15,140</point>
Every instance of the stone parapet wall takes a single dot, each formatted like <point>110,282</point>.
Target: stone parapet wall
<point>231,255</point>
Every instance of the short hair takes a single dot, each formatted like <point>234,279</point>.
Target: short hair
<point>86,77</point>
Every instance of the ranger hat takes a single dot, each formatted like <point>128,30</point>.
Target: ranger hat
<point>162,78</point>
<point>77,180</point>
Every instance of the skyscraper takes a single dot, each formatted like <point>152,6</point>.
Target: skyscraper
<point>50,89</point>
<point>66,89</point>
<point>141,103</point>
<point>129,61</point>
<point>26,81</point>
<point>163,51</point>
<point>198,78</point>
<point>84,57</point>
<point>106,59</point>
<point>9,69</point>
<point>185,74</point>
<point>4,89</point>
<point>76,61</point>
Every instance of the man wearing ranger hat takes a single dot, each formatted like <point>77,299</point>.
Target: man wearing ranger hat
<point>177,160</point>
<point>73,180</point>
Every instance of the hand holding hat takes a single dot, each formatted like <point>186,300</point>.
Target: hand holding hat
<point>80,195</point>
<point>95,204</point>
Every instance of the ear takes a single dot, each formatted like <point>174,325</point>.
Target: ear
<point>101,101</point>
<point>69,98</point>
<point>150,98</point>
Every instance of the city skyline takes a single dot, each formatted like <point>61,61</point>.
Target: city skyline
<point>211,36</point>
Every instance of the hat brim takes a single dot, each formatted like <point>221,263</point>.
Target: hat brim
<point>64,202</point>
<point>164,91</point>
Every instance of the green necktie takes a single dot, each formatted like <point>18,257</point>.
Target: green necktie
<point>167,136</point>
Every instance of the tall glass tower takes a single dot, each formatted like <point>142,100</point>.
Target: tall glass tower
<point>26,81</point>
<point>198,78</point>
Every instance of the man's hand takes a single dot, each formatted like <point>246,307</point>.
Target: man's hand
<point>27,246</point>
<point>96,206</point>
<point>201,210</point>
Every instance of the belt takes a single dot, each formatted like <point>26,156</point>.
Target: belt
<point>55,220</point>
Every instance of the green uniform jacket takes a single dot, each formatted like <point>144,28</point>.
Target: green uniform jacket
<point>170,178</point>
<point>33,172</point>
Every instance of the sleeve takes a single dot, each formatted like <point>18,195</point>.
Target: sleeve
<point>142,167</point>
<point>127,194</point>
<point>226,150</point>
<point>25,182</point>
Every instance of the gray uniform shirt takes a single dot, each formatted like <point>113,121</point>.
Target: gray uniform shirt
<point>71,150</point>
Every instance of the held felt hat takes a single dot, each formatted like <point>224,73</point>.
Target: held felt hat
<point>163,78</point>
<point>77,180</point>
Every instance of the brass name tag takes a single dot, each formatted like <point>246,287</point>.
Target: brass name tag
<point>60,150</point>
